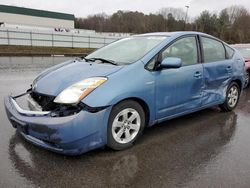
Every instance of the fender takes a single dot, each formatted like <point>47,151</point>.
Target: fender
<point>119,86</point>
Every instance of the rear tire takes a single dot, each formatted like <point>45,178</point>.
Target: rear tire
<point>126,123</point>
<point>246,79</point>
<point>232,97</point>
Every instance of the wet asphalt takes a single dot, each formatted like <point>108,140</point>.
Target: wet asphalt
<point>204,149</point>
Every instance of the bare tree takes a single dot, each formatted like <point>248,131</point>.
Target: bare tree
<point>235,11</point>
<point>231,24</point>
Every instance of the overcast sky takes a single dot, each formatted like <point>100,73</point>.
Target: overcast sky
<point>83,8</point>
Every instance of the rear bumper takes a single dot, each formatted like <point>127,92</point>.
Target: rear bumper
<point>71,135</point>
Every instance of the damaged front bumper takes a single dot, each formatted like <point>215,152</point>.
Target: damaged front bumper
<point>70,135</point>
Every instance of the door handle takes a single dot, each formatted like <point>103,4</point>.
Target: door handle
<point>197,74</point>
<point>229,69</point>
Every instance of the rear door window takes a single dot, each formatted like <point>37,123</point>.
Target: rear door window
<point>213,50</point>
<point>230,52</point>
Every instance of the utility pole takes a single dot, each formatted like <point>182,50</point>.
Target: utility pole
<point>186,17</point>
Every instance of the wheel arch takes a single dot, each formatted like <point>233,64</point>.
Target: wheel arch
<point>143,104</point>
<point>239,82</point>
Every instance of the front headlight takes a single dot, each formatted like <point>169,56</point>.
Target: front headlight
<point>79,90</point>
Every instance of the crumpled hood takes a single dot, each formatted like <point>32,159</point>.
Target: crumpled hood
<point>57,78</point>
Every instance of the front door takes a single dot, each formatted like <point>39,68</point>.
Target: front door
<point>179,90</point>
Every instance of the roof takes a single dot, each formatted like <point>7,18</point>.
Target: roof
<point>245,45</point>
<point>175,33</point>
<point>35,12</point>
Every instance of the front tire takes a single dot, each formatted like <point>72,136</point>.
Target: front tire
<point>232,97</point>
<point>126,123</point>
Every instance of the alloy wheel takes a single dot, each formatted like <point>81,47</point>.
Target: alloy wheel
<point>233,96</point>
<point>126,125</point>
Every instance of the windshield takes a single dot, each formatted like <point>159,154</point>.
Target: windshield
<point>128,50</point>
<point>245,52</point>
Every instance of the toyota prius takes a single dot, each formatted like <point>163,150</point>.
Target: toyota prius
<point>110,96</point>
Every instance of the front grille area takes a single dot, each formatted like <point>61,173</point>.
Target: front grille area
<point>57,110</point>
<point>45,101</point>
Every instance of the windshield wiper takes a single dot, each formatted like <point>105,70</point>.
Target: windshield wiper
<point>103,60</point>
<point>84,58</point>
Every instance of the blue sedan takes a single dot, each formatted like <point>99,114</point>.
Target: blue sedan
<point>108,97</point>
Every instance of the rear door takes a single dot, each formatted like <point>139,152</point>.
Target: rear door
<point>218,70</point>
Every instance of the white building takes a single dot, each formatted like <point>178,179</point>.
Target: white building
<point>18,16</point>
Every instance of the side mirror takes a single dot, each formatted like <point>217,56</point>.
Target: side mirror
<point>171,62</point>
